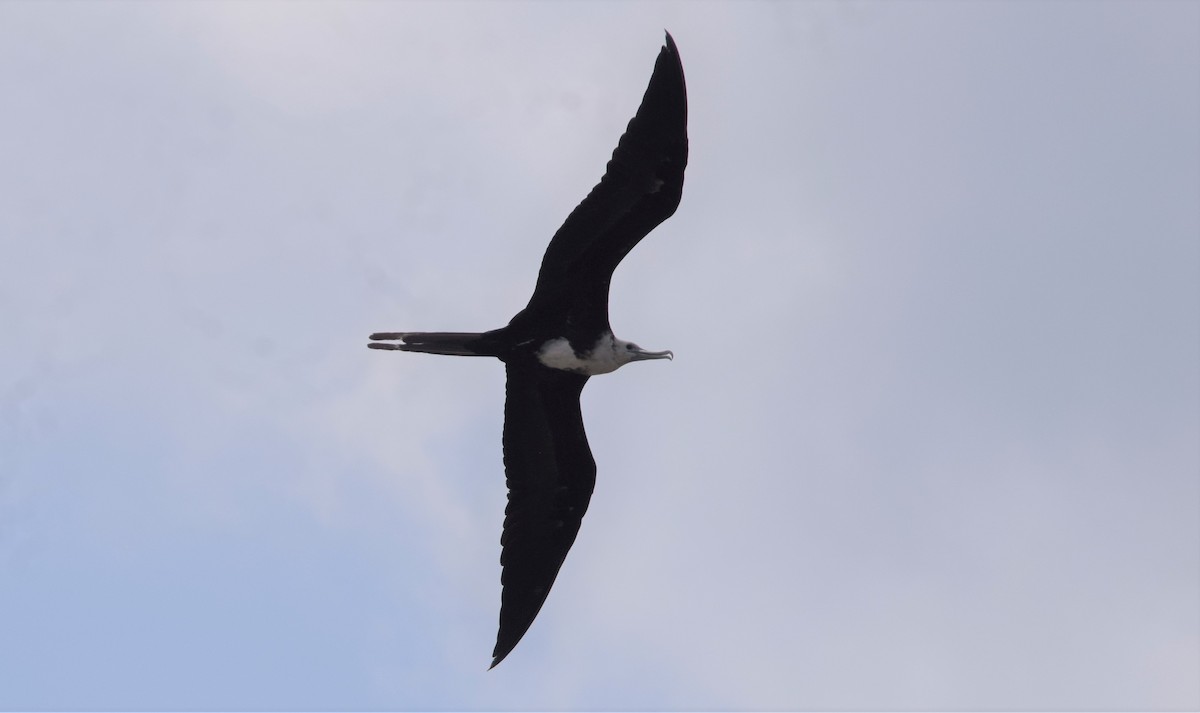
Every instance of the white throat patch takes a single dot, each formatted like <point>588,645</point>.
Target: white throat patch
<point>601,359</point>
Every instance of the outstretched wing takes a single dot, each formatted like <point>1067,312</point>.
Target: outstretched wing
<point>640,189</point>
<point>551,474</point>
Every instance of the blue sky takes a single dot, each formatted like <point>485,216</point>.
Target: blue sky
<point>931,438</point>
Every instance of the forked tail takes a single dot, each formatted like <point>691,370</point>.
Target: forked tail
<point>452,343</point>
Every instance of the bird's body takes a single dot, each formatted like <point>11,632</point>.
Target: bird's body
<point>562,338</point>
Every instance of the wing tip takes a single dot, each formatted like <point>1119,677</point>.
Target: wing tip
<point>668,56</point>
<point>669,44</point>
<point>499,654</point>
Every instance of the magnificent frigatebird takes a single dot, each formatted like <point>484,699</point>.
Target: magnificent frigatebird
<point>562,338</point>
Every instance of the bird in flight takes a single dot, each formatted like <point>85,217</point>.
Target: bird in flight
<point>561,339</point>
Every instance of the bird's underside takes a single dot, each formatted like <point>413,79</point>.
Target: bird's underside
<point>551,347</point>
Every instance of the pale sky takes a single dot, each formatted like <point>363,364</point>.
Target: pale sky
<point>931,438</point>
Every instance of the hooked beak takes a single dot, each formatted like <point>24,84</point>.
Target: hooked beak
<point>642,355</point>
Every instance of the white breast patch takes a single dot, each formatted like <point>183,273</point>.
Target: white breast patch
<point>602,359</point>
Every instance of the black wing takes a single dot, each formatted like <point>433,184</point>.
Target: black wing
<point>551,474</point>
<point>640,189</point>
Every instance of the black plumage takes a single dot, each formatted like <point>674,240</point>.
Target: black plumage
<point>561,338</point>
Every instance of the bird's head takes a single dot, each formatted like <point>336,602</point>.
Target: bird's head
<point>626,352</point>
